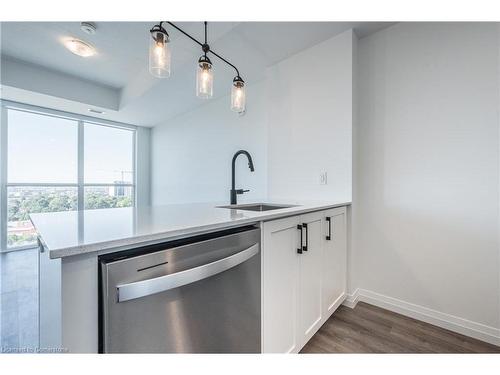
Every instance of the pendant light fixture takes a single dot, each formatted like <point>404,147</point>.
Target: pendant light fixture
<point>238,95</point>
<point>204,73</point>
<point>159,52</point>
<point>159,66</point>
<point>204,78</point>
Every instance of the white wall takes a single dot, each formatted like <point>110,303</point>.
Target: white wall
<point>191,154</point>
<point>426,184</point>
<point>310,122</point>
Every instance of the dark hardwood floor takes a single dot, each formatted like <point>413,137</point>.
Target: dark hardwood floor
<point>370,329</point>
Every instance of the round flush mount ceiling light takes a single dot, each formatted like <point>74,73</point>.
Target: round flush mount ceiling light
<point>79,47</point>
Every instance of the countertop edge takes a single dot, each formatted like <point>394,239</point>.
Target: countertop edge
<point>130,242</point>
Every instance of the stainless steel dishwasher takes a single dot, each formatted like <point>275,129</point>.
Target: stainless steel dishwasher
<point>200,295</point>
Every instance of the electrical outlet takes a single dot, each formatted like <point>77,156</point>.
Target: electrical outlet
<point>323,178</point>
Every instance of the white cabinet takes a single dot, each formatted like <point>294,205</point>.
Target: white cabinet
<point>280,269</point>
<point>304,277</point>
<point>310,307</point>
<point>334,261</point>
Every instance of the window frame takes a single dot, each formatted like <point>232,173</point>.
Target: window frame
<point>80,184</point>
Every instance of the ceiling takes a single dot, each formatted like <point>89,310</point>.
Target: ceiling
<point>117,81</point>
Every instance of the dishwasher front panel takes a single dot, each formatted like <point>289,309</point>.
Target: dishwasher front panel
<point>202,297</point>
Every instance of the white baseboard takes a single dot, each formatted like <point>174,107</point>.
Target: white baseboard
<point>453,323</point>
<point>351,300</point>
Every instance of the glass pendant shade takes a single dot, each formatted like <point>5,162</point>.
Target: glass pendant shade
<point>238,95</point>
<point>204,78</point>
<point>159,54</point>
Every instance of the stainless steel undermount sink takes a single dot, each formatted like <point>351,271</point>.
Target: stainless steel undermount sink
<point>258,206</point>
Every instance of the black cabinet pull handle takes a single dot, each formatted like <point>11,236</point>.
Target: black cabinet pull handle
<point>299,249</point>
<point>329,235</point>
<point>304,248</point>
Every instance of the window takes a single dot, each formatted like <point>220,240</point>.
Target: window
<point>108,167</point>
<point>60,162</point>
<point>41,149</point>
<point>108,157</point>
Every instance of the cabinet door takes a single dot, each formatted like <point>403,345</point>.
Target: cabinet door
<point>310,275</point>
<point>334,260</point>
<point>280,282</point>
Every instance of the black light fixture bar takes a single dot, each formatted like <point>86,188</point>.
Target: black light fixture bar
<point>203,44</point>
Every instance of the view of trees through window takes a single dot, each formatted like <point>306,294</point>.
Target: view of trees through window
<point>108,197</point>
<point>43,150</point>
<point>22,201</point>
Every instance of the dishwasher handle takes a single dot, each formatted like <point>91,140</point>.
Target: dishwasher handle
<point>144,288</point>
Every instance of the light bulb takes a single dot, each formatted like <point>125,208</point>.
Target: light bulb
<point>204,78</point>
<point>159,54</point>
<point>238,95</point>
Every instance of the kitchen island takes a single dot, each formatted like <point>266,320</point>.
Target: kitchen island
<point>71,242</point>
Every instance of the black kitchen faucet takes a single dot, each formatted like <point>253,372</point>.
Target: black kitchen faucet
<point>234,191</point>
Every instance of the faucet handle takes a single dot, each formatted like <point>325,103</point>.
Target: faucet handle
<point>241,191</point>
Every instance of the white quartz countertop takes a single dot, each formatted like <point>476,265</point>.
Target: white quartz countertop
<point>77,232</point>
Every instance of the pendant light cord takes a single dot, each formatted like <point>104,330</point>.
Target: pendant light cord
<point>205,32</point>
<point>201,44</point>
